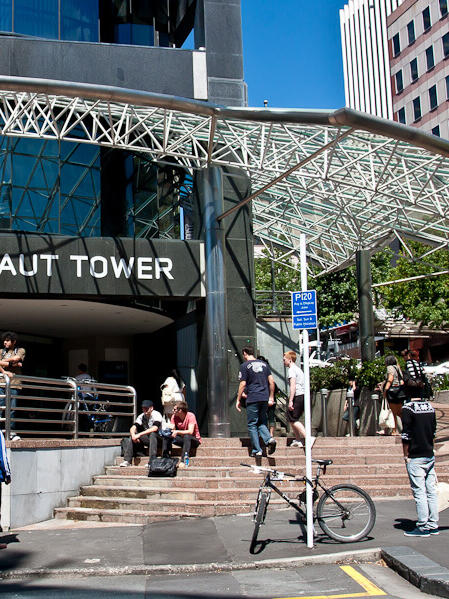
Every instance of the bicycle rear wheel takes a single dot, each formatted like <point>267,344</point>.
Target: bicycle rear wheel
<point>346,513</point>
<point>259,516</point>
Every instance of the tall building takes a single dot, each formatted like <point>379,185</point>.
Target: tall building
<point>94,214</point>
<point>418,37</point>
<point>365,55</point>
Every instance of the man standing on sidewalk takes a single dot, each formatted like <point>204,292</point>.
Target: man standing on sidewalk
<point>257,382</point>
<point>418,432</point>
<point>5,473</point>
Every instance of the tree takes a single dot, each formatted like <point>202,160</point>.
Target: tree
<point>423,300</point>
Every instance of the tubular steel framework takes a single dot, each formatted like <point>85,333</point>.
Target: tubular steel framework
<point>347,180</point>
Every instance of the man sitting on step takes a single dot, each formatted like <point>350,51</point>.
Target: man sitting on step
<point>185,432</point>
<point>143,433</point>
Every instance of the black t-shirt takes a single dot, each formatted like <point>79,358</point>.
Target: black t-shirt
<point>418,428</point>
<point>255,373</point>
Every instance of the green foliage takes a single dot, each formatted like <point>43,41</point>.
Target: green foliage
<point>440,382</point>
<point>371,373</point>
<point>423,300</point>
<point>336,376</point>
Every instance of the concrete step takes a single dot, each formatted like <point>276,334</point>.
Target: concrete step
<point>114,515</point>
<point>321,441</point>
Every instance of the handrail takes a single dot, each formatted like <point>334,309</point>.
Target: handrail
<point>61,408</point>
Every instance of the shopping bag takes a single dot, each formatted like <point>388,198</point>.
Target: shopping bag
<point>386,418</point>
<point>443,496</point>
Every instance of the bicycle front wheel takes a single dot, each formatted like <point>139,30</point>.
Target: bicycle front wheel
<point>346,513</point>
<point>259,516</point>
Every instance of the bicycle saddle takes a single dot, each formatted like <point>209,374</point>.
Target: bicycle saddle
<point>323,462</point>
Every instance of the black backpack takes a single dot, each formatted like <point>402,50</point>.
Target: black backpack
<point>163,467</point>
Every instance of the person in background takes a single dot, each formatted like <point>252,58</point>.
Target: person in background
<point>296,399</point>
<point>416,372</point>
<point>143,433</point>
<point>5,472</point>
<point>418,432</point>
<point>173,391</point>
<point>393,390</point>
<point>257,382</point>
<point>11,360</point>
<point>185,432</point>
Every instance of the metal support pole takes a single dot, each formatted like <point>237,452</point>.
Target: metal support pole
<point>375,398</point>
<point>324,393</point>
<point>350,401</point>
<point>366,314</point>
<point>210,182</point>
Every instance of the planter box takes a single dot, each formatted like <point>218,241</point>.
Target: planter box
<point>441,396</point>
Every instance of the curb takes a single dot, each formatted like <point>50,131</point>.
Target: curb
<point>366,555</point>
<point>427,575</point>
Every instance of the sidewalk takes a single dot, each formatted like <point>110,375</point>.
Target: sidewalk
<point>205,543</point>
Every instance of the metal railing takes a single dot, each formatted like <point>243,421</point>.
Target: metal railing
<point>273,303</point>
<point>45,407</point>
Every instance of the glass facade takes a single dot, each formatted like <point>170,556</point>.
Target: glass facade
<point>71,20</point>
<point>49,187</point>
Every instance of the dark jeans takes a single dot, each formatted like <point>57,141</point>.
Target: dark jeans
<point>256,414</point>
<point>130,449</point>
<point>187,441</point>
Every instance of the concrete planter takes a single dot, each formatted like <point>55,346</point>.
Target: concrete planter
<point>441,396</point>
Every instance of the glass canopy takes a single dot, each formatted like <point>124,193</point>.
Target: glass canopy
<point>348,180</point>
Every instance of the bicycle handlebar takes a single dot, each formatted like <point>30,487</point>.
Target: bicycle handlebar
<point>258,469</point>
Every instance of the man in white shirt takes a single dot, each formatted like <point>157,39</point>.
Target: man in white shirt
<point>295,399</point>
<point>142,433</point>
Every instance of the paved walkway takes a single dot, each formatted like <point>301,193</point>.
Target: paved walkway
<point>204,543</point>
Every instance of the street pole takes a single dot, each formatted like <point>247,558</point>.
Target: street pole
<point>307,410</point>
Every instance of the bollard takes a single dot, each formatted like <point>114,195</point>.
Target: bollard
<point>350,402</point>
<point>324,393</point>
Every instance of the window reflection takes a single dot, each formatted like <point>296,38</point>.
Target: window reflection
<point>36,17</point>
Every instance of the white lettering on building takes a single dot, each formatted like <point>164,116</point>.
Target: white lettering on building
<point>98,267</point>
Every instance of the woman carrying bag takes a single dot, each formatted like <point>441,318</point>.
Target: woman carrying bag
<point>394,390</point>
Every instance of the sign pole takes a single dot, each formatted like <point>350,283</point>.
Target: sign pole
<point>307,410</point>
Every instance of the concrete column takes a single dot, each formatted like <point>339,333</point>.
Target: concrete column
<point>210,190</point>
<point>366,314</point>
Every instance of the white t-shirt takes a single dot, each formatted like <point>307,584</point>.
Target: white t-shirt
<point>294,372</point>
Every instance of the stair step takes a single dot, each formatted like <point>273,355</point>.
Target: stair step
<point>133,517</point>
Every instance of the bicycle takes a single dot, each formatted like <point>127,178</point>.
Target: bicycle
<point>92,412</point>
<point>344,512</point>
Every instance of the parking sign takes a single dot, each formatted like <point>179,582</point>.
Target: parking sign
<point>304,309</point>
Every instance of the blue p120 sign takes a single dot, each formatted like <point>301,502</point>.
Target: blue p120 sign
<point>304,310</point>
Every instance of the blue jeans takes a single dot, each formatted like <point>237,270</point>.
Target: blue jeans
<point>14,393</point>
<point>256,414</point>
<point>423,480</point>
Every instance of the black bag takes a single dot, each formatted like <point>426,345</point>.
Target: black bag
<point>396,394</point>
<point>412,385</point>
<point>163,467</point>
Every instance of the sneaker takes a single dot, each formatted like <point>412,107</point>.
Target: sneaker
<point>433,531</point>
<point>125,464</point>
<point>14,437</point>
<point>271,446</point>
<point>417,532</point>
<point>296,443</point>
<point>256,454</point>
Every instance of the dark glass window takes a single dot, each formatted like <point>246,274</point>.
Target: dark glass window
<point>401,115</point>
<point>446,45</point>
<point>436,131</point>
<point>417,108</point>
<point>399,82</point>
<point>429,58</point>
<point>411,32</point>
<point>447,87</point>
<point>396,45</point>
<point>427,23</point>
<point>443,7</point>
<point>414,69</point>
<point>5,15</point>
<point>134,34</point>
<point>433,97</point>
<point>79,20</point>
<point>36,17</point>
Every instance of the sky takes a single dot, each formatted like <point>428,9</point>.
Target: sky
<point>292,53</point>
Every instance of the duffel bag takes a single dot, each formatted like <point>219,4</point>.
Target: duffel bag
<point>163,467</point>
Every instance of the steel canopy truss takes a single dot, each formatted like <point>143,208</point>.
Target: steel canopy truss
<point>348,180</point>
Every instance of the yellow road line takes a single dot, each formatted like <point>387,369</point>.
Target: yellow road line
<point>371,590</point>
